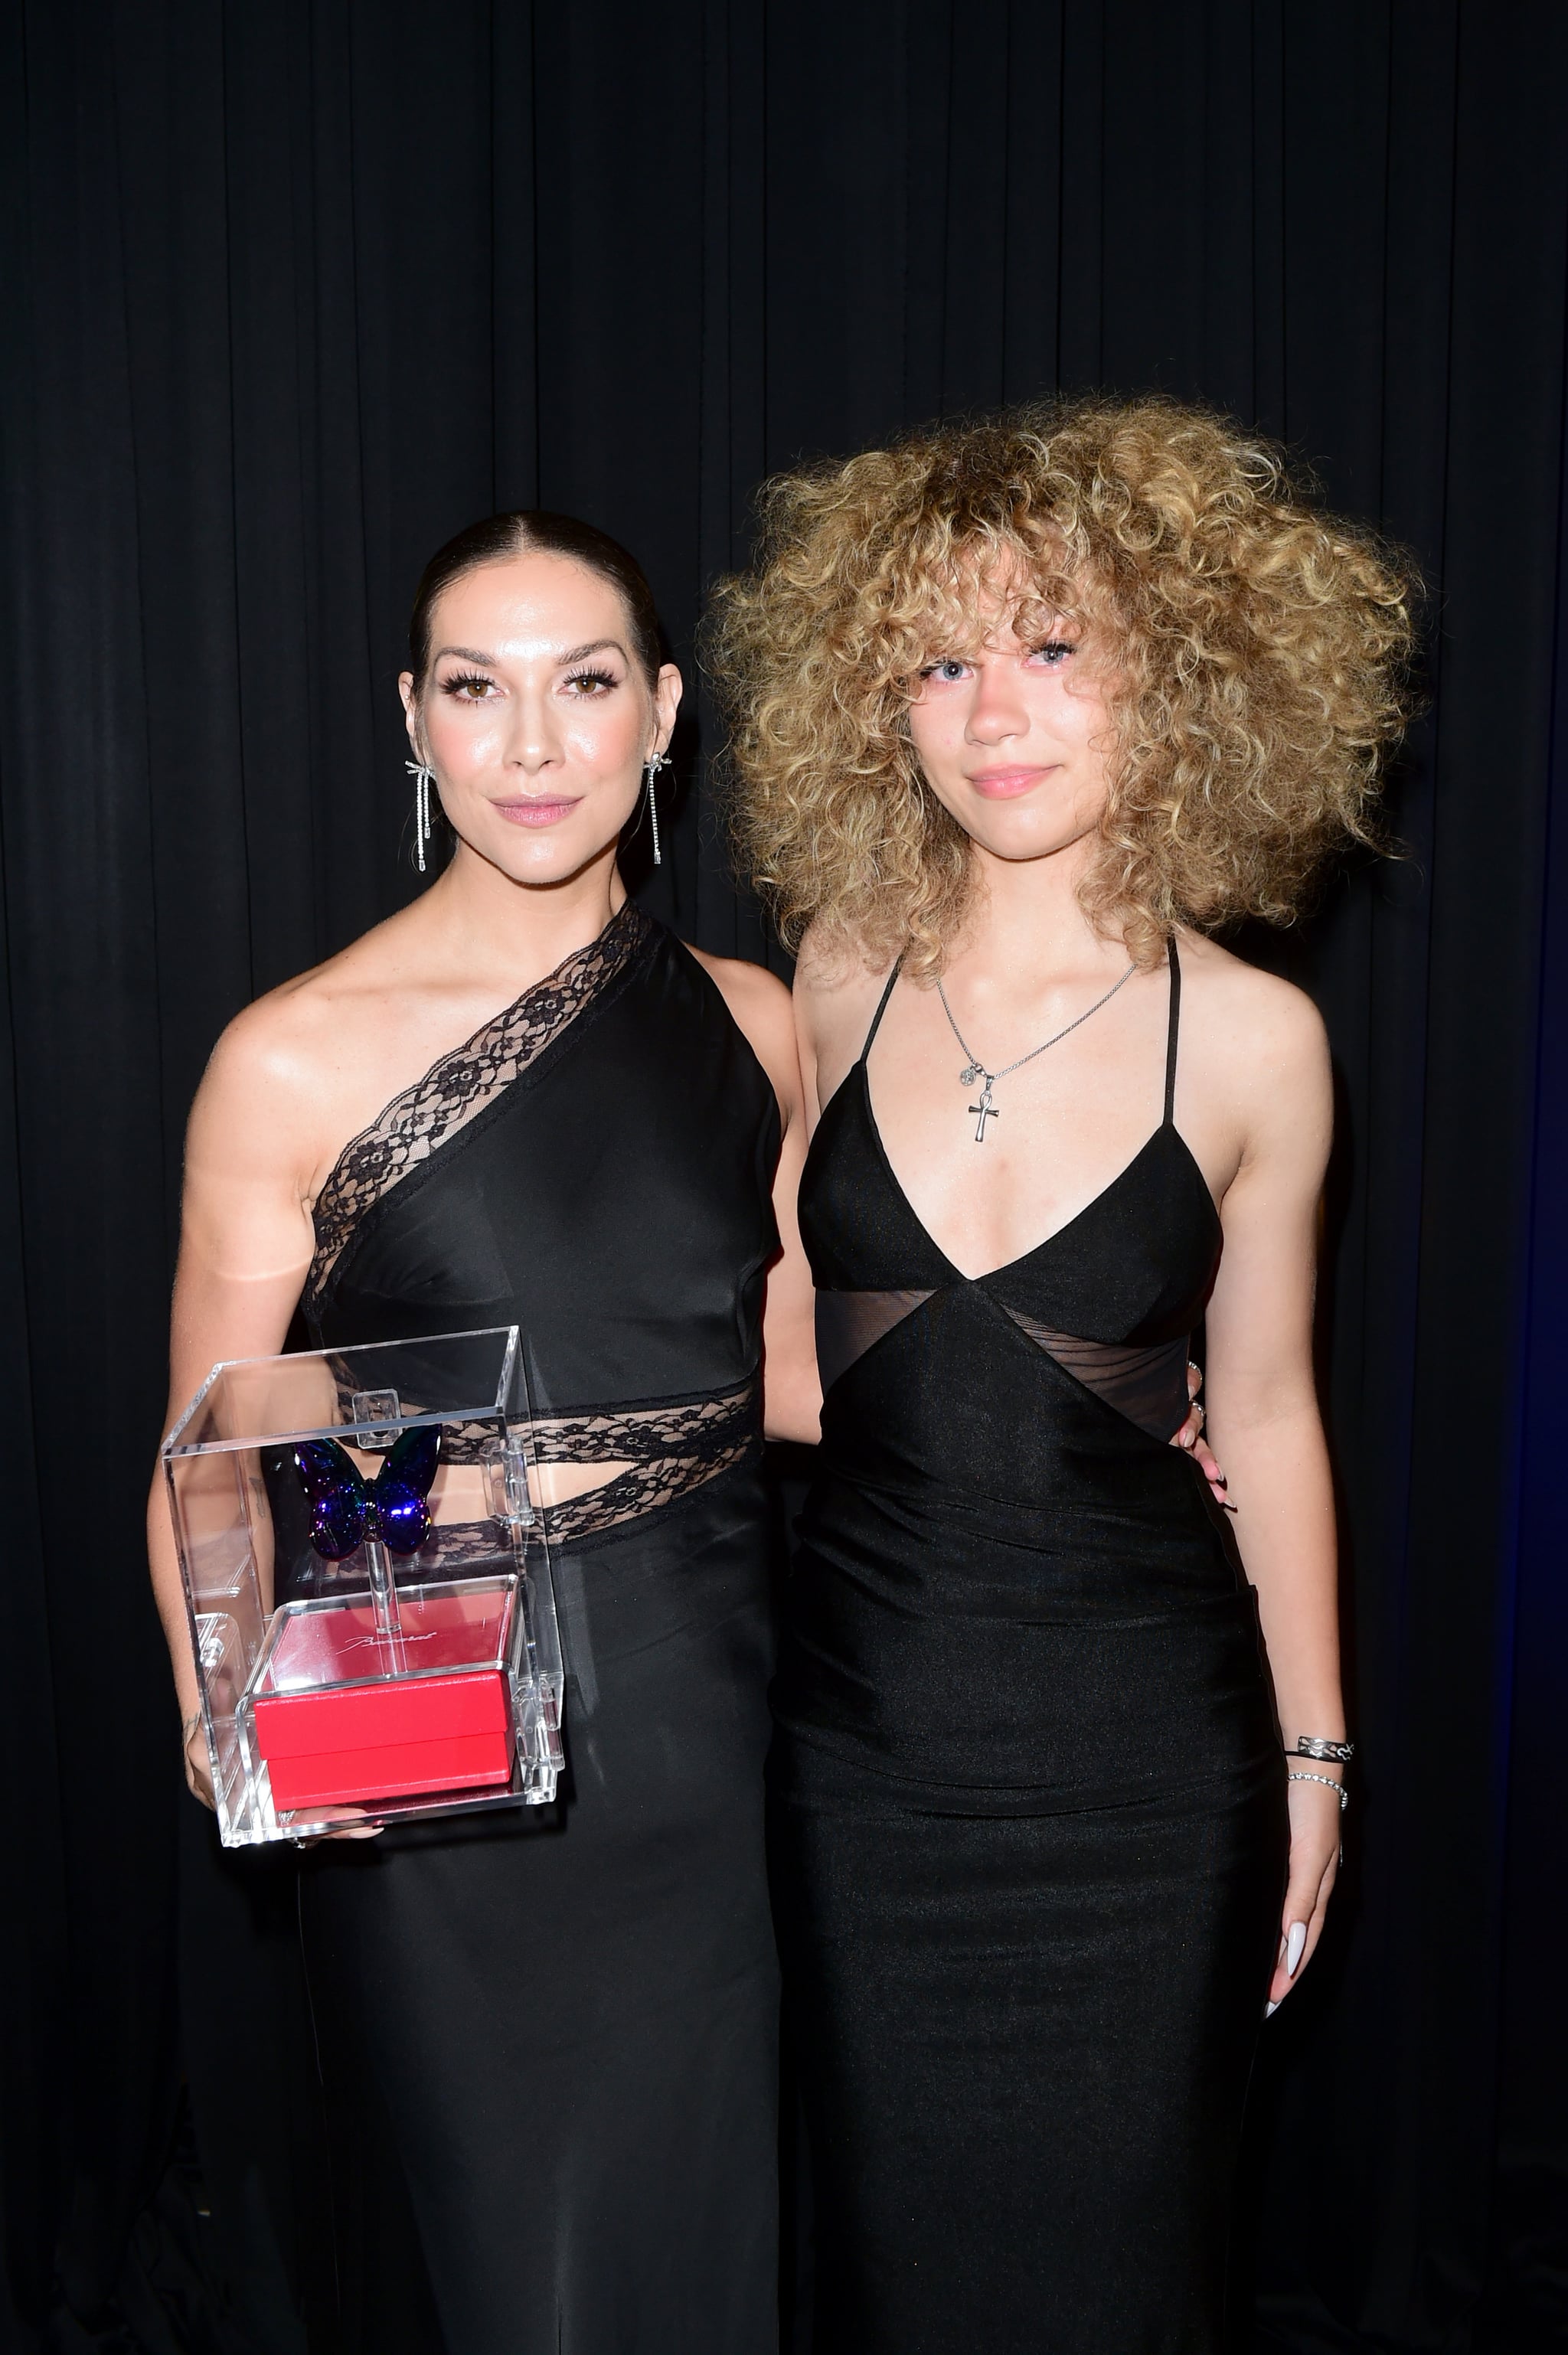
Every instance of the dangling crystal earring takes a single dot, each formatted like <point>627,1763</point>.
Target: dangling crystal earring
<point>424,778</point>
<point>651,767</point>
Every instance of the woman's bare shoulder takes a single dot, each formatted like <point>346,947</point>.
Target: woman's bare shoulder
<point>836,988</point>
<point>1222,993</point>
<point>288,1028</point>
<point>1258,1046</point>
<point>281,1065</point>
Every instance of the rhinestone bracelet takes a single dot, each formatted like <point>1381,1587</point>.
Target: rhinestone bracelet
<point>1328,1782</point>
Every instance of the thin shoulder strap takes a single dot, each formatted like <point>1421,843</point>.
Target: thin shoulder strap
<point>1175,964</point>
<point>881,1007</point>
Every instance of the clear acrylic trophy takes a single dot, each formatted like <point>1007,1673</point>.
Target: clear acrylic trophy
<point>368,1585</point>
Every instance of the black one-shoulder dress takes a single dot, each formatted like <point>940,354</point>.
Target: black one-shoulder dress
<point>549,2035</point>
<point>1028,1799</point>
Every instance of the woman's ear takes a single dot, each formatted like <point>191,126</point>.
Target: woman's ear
<point>411,712</point>
<point>666,703</point>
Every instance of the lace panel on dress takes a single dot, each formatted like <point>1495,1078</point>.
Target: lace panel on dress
<point>459,1085</point>
<point>671,1450</point>
<point>1148,1385</point>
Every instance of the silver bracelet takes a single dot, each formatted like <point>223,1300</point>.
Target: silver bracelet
<point>1326,1753</point>
<point>1328,1782</point>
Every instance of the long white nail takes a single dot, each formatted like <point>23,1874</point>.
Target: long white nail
<point>1294,1941</point>
<point>1269,2010</point>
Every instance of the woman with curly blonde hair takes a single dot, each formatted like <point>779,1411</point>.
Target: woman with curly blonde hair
<point>1023,709</point>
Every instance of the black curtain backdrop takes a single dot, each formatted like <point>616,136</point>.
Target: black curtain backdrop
<point>293,289</point>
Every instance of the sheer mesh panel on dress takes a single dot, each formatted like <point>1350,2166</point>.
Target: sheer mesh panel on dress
<point>1147,1385</point>
<point>848,1323</point>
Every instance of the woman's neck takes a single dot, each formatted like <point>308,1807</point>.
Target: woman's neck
<point>487,924</point>
<point>1027,921</point>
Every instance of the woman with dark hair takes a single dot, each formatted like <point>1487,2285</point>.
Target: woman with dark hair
<point>522,1100</point>
<point>1023,708</point>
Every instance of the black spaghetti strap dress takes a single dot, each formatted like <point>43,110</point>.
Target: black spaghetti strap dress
<point>549,2035</point>
<point>1027,1797</point>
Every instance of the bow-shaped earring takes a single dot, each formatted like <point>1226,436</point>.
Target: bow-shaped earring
<point>424,778</point>
<point>651,767</point>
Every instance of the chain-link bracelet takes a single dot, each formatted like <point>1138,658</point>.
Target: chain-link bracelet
<point>1328,1782</point>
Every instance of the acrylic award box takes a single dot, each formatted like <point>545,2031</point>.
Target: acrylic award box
<point>368,1585</point>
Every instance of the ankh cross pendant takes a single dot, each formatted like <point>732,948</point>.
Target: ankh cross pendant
<point>986,1109</point>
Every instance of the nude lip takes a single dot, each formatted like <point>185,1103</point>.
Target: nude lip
<point>537,813</point>
<point>1006,785</point>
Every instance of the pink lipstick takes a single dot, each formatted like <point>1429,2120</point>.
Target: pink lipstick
<point>542,812</point>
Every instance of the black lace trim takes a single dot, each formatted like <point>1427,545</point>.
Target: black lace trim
<point>459,1085</point>
<point>641,1490</point>
<point>671,1450</point>
<point>643,1434</point>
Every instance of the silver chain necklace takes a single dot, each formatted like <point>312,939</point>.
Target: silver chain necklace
<point>975,1070</point>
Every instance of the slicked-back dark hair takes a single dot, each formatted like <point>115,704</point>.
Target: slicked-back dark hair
<point>497,537</point>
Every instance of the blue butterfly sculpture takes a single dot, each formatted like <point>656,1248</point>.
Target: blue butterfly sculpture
<point>346,1509</point>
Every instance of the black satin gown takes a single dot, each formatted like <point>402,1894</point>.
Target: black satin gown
<point>549,2035</point>
<point>1026,1793</point>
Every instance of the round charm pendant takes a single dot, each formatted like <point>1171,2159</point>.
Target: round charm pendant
<point>968,1075</point>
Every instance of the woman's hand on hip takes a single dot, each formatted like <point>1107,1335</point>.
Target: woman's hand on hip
<point>1191,1437</point>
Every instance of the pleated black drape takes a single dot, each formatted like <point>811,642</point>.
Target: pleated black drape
<point>294,288</point>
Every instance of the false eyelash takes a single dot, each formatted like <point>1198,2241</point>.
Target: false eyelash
<point>594,678</point>
<point>464,679</point>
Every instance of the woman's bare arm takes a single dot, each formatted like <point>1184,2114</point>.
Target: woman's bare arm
<point>245,1245</point>
<point>1264,1418</point>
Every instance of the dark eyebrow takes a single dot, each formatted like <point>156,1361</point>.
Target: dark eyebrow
<point>599,646</point>
<point>563,662</point>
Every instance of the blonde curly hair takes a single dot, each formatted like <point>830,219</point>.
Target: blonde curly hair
<point>1258,658</point>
